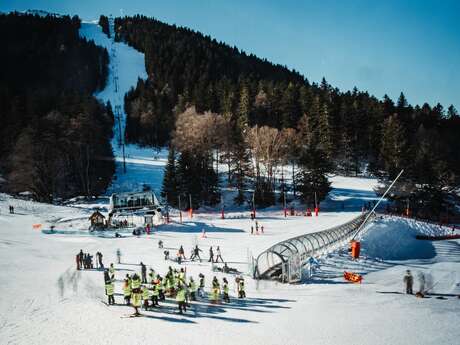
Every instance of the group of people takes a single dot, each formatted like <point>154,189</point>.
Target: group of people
<point>257,228</point>
<point>148,289</point>
<point>195,254</point>
<point>85,260</point>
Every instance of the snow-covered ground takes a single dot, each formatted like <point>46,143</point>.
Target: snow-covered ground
<point>45,300</point>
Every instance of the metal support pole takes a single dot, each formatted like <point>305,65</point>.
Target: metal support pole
<point>377,204</point>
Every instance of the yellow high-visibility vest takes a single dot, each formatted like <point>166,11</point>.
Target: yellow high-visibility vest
<point>127,291</point>
<point>110,288</point>
<point>136,283</point>
<point>180,297</point>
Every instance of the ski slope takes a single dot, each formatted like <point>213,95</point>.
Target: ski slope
<point>46,301</point>
<point>144,166</point>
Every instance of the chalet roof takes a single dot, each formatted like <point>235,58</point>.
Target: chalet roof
<point>96,214</point>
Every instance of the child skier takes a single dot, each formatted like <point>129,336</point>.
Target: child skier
<point>201,288</point>
<point>110,290</point>
<point>127,291</point>
<point>192,289</point>
<point>215,292</point>
<point>180,298</point>
<point>226,298</point>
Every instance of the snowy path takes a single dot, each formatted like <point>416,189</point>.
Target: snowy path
<point>144,166</point>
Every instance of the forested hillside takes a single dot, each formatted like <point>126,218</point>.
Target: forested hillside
<point>276,116</point>
<point>54,135</point>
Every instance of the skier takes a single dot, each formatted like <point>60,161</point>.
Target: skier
<point>181,276</point>
<point>166,253</point>
<point>196,253</point>
<point>180,298</point>
<point>219,255</point>
<point>107,277</point>
<point>109,290</point>
<point>151,275</point>
<point>77,259</point>
<point>257,227</point>
<point>192,288</point>
<point>155,292</point>
<point>112,272</point>
<point>119,255</point>
<point>145,297</point>
<point>136,293</point>
<point>136,302</point>
<point>160,244</point>
<point>144,273</point>
<point>252,230</point>
<point>211,255</point>
<point>226,298</point>
<point>127,291</point>
<point>262,229</point>
<point>90,261</point>
<point>181,252</point>
<point>161,288</point>
<point>240,287</point>
<point>215,292</point>
<point>201,288</point>
<point>80,257</point>
<point>99,259</point>
<point>409,281</point>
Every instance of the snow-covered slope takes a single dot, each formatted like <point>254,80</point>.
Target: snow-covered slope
<point>46,301</point>
<point>144,166</point>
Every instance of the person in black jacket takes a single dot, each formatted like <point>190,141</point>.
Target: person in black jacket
<point>144,273</point>
<point>211,255</point>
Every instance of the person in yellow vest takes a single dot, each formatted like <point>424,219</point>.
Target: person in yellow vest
<point>180,298</point>
<point>192,288</point>
<point>225,289</point>
<point>136,294</point>
<point>161,288</point>
<point>135,282</point>
<point>145,297</point>
<point>110,290</point>
<point>181,276</point>
<point>215,292</point>
<point>241,292</point>
<point>155,292</point>
<point>136,301</point>
<point>127,291</point>
<point>112,272</point>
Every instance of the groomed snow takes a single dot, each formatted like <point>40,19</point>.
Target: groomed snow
<point>46,301</point>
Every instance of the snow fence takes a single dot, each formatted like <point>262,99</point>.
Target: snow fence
<point>284,260</point>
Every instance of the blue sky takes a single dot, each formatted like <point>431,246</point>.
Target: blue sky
<point>379,46</point>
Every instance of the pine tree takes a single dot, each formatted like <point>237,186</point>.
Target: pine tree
<point>452,113</point>
<point>244,107</point>
<point>393,146</point>
<point>169,189</point>
<point>241,170</point>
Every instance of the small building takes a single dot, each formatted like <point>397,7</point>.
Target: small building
<point>97,220</point>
